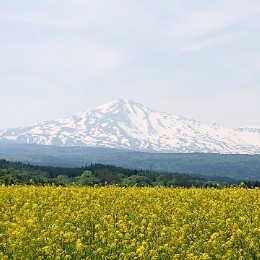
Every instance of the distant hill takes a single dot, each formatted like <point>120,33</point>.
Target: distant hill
<point>125,124</point>
<point>234,166</point>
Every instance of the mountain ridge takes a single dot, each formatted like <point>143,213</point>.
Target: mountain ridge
<point>130,125</point>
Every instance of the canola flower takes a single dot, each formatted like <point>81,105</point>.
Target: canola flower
<point>129,223</point>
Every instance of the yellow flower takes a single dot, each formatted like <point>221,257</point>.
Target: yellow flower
<point>128,223</point>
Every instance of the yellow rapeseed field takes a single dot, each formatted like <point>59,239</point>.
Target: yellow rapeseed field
<point>129,223</point>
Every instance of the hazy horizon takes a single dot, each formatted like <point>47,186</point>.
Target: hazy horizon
<point>198,60</point>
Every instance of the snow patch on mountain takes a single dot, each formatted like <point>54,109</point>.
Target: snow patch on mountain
<point>252,129</point>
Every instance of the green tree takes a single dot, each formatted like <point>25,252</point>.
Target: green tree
<point>87,178</point>
<point>63,179</point>
<point>136,180</point>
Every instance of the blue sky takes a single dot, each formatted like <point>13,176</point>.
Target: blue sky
<point>199,59</point>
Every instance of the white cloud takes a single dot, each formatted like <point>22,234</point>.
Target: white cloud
<point>70,14</point>
<point>71,57</point>
<point>194,30</point>
<point>211,41</point>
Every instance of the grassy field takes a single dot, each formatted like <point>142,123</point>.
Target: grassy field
<point>129,223</point>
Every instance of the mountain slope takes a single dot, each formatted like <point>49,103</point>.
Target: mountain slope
<point>127,124</point>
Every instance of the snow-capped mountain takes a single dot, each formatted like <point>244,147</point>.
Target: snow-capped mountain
<point>252,129</point>
<point>127,124</point>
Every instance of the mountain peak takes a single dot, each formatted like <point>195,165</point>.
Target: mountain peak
<point>125,102</point>
<point>121,106</point>
<point>118,102</point>
<point>128,124</point>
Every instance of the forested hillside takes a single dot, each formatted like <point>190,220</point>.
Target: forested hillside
<point>98,174</point>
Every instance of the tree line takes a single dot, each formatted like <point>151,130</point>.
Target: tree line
<point>99,174</point>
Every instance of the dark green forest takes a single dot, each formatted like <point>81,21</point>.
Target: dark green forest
<point>99,174</point>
